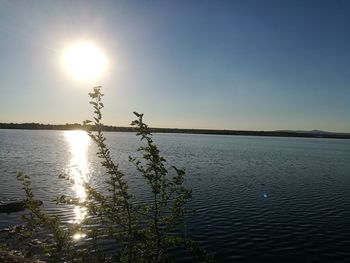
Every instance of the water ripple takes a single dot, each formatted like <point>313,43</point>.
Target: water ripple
<point>256,199</point>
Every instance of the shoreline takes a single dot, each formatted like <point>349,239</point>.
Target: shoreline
<point>106,128</point>
<point>12,256</point>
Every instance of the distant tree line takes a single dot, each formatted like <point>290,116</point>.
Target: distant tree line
<point>77,126</point>
<point>67,126</point>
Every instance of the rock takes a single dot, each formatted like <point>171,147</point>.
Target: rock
<point>9,256</point>
<point>14,207</point>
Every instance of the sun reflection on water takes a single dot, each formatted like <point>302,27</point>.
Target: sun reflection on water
<point>78,236</point>
<point>78,169</point>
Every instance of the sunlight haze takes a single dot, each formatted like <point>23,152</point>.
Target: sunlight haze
<point>84,61</point>
<point>243,65</point>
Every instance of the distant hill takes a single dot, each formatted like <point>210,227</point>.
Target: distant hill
<point>279,133</point>
<point>312,131</point>
<point>316,132</point>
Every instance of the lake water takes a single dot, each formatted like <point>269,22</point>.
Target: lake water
<point>257,198</point>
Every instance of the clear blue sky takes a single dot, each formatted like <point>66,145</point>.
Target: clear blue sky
<point>246,65</point>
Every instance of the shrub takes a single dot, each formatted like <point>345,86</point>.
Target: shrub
<point>142,231</point>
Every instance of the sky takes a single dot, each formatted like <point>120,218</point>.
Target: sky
<point>242,65</point>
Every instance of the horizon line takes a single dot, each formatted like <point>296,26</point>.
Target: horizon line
<point>280,132</point>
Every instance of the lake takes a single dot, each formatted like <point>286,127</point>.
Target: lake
<point>256,198</point>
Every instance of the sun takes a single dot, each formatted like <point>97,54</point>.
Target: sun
<point>84,61</point>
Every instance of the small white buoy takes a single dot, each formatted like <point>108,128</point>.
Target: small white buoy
<point>264,195</point>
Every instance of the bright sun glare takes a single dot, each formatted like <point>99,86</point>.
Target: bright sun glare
<point>84,61</point>
<point>78,168</point>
